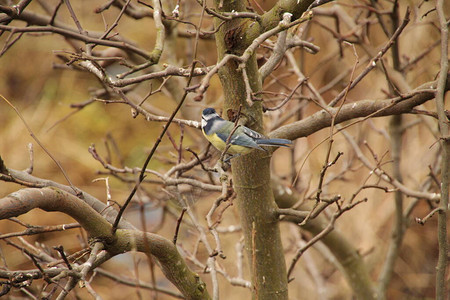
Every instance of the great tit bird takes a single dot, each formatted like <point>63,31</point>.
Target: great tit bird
<point>243,141</point>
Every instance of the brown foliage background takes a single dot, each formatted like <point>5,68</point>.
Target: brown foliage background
<point>43,94</point>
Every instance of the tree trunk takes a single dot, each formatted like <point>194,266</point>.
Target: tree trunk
<point>251,173</point>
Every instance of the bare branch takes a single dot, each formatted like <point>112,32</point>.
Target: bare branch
<point>360,109</point>
<point>278,50</point>
<point>52,199</point>
<point>444,128</point>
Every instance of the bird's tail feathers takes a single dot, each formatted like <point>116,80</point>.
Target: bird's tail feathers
<point>274,142</point>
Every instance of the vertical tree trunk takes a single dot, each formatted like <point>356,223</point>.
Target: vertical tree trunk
<point>251,173</point>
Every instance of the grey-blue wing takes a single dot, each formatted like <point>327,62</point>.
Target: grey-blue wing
<point>241,139</point>
<point>252,133</point>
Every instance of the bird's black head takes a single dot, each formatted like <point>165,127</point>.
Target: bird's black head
<point>209,111</point>
<point>209,115</point>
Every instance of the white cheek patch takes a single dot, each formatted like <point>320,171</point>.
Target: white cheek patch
<point>203,123</point>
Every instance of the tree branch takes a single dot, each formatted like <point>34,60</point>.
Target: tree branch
<point>361,109</point>
<point>444,128</point>
<point>53,199</point>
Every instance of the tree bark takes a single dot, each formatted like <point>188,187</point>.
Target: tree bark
<point>251,173</point>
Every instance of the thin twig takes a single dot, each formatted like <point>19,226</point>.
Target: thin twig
<point>175,236</point>
<point>373,62</point>
<point>320,235</point>
<point>152,152</point>
<point>423,220</point>
<point>66,176</point>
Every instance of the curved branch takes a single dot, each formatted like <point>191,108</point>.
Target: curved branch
<point>78,36</point>
<point>25,179</point>
<point>54,199</point>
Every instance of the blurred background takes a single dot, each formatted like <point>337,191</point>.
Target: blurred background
<point>51,97</point>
